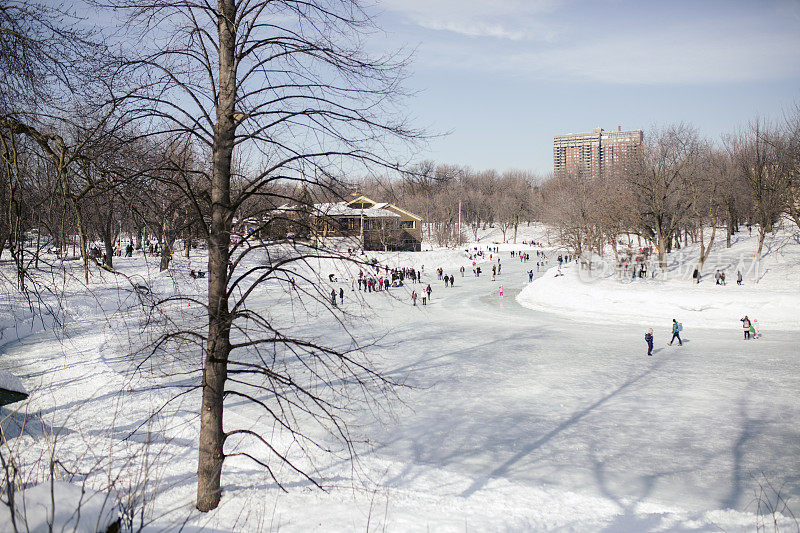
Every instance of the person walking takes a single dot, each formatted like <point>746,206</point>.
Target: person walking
<point>738,277</point>
<point>428,290</point>
<point>341,295</point>
<point>756,330</point>
<point>676,333</point>
<point>333,297</point>
<point>746,327</point>
<point>414,298</point>
<point>648,337</point>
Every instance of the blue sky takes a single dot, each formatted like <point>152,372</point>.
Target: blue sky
<point>504,76</point>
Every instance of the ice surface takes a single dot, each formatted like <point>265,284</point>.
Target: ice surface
<point>542,413</point>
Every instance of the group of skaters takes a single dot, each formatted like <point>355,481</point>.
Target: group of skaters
<point>392,278</point>
<point>639,269</point>
<point>449,280</point>
<point>333,295</point>
<point>426,295</point>
<point>523,257</point>
<point>750,328</point>
<point>102,257</point>
<point>677,327</point>
<point>719,277</point>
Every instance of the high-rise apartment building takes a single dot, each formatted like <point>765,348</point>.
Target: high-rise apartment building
<point>595,153</point>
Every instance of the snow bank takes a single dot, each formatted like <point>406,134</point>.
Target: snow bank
<point>650,303</point>
<point>11,382</point>
<point>71,507</point>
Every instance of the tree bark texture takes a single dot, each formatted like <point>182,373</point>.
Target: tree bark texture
<point>212,436</point>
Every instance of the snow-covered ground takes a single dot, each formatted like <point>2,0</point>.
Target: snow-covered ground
<point>535,411</point>
<point>770,288</point>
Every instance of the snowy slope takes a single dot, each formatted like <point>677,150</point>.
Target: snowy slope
<point>770,289</point>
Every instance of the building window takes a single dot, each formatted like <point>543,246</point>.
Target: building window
<point>407,224</point>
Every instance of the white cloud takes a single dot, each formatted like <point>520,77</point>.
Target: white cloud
<point>501,19</point>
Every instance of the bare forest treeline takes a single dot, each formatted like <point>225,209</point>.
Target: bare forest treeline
<point>679,190</point>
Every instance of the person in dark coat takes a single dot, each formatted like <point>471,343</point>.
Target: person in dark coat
<point>746,326</point>
<point>648,337</point>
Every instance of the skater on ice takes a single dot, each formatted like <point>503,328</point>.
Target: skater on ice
<point>676,332</point>
<point>745,326</point>
<point>648,337</point>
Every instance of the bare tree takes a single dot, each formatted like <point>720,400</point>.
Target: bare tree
<point>705,184</point>
<point>286,86</point>
<point>757,158</point>
<point>658,180</point>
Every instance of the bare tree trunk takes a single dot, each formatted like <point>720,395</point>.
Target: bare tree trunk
<point>705,250</point>
<point>82,235</point>
<point>167,249</point>
<point>212,437</point>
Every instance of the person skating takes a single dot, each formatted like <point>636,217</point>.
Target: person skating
<point>428,290</point>
<point>414,298</point>
<point>738,277</point>
<point>333,297</point>
<point>341,295</point>
<point>648,337</point>
<point>756,329</point>
<point>746,327</point>
<point>676,333</point>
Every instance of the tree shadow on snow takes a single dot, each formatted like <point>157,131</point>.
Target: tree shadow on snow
<point>576,417</point>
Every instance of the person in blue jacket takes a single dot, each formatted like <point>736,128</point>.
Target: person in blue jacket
<point>676,333</point>
<point>649,338</point>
